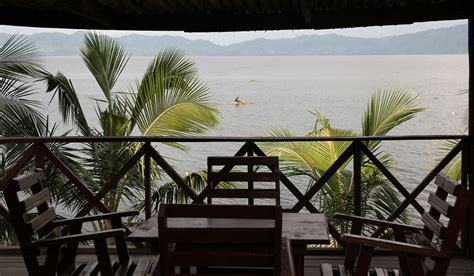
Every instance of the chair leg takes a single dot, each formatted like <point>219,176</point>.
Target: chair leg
<point>351,254</point>
<point>363,262</point>
<point>103,257</point>
<point>51,261</point>
<point>415,264</point>
<point>440,267</point>
<point>402,258</point>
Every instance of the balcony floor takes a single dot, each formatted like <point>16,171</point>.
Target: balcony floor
<point>12,264</point>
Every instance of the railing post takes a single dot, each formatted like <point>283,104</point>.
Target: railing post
<point>250,171</point>
<point>147,180</point>
<point>470,218</point>
<point>39,160</point>
<point>356,181</point>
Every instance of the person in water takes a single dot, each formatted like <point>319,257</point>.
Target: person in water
<point>237,100</point>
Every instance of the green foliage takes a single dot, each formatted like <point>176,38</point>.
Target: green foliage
<point>168,100</point>
<point>385,111</point>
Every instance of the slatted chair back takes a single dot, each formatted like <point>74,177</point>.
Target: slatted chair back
<point>439,231</point>
<point>220,169</point>
<point>24,195</point>
<point>220,236</point>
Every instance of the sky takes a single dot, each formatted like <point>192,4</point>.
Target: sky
<point>235,37</point>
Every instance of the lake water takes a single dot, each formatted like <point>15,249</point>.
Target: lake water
<point>285,89</point>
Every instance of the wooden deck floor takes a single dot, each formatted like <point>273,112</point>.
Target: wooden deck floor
<point>13,264</point>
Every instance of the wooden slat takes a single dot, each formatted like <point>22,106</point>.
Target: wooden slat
<point>244,193</point>
<point>28,180</point>
<point>221,235</point>
<point>327,269</point>
<point>36,199</point>
<point>243,160</point>
<point>434,225</point>
<point>380,272</point>
<point>41,220</point>
<point>447,184</point>
<point>440,205</point>
<point>225,211</point>
<point>244,176</point>
<point>142,267</point>
<point>431,175</point>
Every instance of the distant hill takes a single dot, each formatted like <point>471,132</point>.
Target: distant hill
<point>452,40</point>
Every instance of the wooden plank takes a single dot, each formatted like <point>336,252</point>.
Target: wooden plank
<point>244,176</point>
<point>28,180</point>
<point>36,199</point>
<point>440,205</point>
<point>244,193</point>
<point>421,187</point>
<point>434,225</point>
<point>380,272</point>
<point>142,267</point>
<point>327,269</point>
<point>41,220</point>
<point>301,228</point>
<point>243,160</point>
<point>447,184</point>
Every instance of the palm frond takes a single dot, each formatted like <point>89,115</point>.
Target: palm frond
<point>106,59</point>
<point>170,99</point>
<point>19,58</point>
<point>68,101</point>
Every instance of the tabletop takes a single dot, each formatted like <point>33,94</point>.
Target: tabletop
<point>300,228</point>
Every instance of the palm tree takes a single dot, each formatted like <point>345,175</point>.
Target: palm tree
<point>385,111</point>
<point>168,100</point>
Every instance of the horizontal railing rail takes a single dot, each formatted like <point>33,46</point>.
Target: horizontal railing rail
<point>200,139</point>
<point>39,151</point>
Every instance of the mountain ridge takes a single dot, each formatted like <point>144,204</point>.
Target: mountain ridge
<point>450,40</point>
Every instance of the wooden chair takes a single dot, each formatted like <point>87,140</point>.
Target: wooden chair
<point>223,240</point>
<point>250,176</point>
<point>58,239</point>
<point>435,240</point>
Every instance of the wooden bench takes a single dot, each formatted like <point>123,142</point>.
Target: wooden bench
<point>40,234</point>
<point>222,240</point>
<point>251,176</point>
<point>435,239</point>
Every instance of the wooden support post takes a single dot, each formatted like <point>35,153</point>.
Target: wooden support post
<point>356,181</point>
<point>250,171</point>
<point>147,180</point>
<point>39,160</point>
<point>470,219</point>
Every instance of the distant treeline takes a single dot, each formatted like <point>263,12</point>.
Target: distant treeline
<point>452,40</point>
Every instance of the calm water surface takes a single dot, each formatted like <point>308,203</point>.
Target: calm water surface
<point>285,89</point>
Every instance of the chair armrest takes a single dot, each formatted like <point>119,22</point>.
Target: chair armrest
<point>79,238</point>
<point>395,245</point>
<point>287,265</point>
<point>94,218</point>
<point>393,225</point>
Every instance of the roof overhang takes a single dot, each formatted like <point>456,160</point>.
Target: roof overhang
<point>226,15</point>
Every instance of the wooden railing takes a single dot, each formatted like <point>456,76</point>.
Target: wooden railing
<point>40,152</point>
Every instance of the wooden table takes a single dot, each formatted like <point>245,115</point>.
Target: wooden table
<point>301,229</point>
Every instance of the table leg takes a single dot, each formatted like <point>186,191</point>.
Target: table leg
<point>298,251</point>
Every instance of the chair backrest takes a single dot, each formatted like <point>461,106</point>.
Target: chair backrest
<point>31,216</point>
<point>453,209</point>
<point>219,235</point>
<point>249,175</point>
